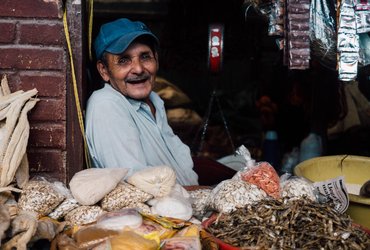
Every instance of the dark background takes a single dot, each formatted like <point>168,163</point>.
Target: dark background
<point>306,100</point>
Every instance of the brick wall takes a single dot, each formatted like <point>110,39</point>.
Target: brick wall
<point>33,54</point>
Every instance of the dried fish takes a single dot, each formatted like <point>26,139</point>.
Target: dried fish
<point>289,224</point>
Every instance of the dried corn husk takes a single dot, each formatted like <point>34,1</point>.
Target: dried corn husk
<point>14,133</point>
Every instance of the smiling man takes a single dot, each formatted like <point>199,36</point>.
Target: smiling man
<point>126,123</point>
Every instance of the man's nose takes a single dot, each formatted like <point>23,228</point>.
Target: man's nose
<point>137,65</point>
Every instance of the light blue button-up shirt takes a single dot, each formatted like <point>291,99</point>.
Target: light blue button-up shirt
<point>122,132</point>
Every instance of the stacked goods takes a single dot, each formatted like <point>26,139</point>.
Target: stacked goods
<point>107,209</point>
<point>297,47</point>
<point>100,211</point>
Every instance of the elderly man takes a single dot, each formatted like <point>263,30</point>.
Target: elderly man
<point>126,123</point>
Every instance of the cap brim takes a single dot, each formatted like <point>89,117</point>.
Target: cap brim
<point>121,44</point>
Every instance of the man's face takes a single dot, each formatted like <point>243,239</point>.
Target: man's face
<point>133,72</point>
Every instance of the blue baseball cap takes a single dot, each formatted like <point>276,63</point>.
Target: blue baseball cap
<point>114,37</point>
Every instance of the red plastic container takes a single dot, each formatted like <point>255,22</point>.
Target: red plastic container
<point>224,246</point>
<point>221,244</point>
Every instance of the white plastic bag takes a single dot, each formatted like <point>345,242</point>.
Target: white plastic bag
<point>90,185</point>
<point>157,181</point>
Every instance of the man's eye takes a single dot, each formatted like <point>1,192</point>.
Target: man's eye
<point>124,60</point>
<point>146,57</point>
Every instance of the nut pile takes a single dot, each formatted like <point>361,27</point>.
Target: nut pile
<point>233,193</point>
<point>124,195</point>
<point>200,200</point>
<point>295,188</point>
<point>64,208</point>
<point>83,215</point>
<point>40,197</point>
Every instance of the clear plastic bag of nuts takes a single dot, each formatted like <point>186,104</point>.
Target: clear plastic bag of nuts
<point>41,195</point>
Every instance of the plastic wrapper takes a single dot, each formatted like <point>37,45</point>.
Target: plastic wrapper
<point>297,24</point>
<point>264,176</point>
<point>362,4</point>
<point>128,218</point>
<point>186,243</point>
<point>348,63</point>
<point>88,237</point>
<point>348,42</point>
<point>276,18</point>
<point>362,21</point>
<point>323,32</point>
<point>128,240</point>
<point>295,187</point>
<point>149,227</point>
<point>364,49</point>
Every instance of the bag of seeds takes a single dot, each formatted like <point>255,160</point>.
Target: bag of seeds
<point>41,196</point>
<point>124,195</point>
<point>295,187</point>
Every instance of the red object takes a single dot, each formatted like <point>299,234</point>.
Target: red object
<point>211,172</point>
<point>215,47</point>
<point>222,245</point>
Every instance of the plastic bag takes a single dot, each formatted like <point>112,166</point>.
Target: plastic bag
<point>188,242</point>
<point>128,218</point>
<point>41,196</point>
<point>323,32</point>
<point>124,195</point>
<point>90,185</point>
<point>295,187</point>
<point>176,205</point>
<point>232,194</point>
<point>128,240</point>
<point>311,147</point>
<point>290,160</point>
<point>264,176</point>
<point>157,181</point>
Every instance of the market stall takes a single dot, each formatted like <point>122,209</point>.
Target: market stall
<point>258,207</point>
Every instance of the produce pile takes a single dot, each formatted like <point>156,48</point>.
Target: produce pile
<point>289,224</point>
<point>109,209</point>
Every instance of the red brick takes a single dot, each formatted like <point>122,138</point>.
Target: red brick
<point>46,84</point>
<point>31,58</point>
<point>49,110</point>
<point>7,31</point>
<point>48,135</point>
<point>46,34</point>
<point>31,8</point>
<point>49,162</point>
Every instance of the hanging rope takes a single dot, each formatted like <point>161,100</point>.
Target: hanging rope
<point>90,18</point>
<point>75,89</point>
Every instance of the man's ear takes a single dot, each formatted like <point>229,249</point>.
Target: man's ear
<point>103,70</point>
